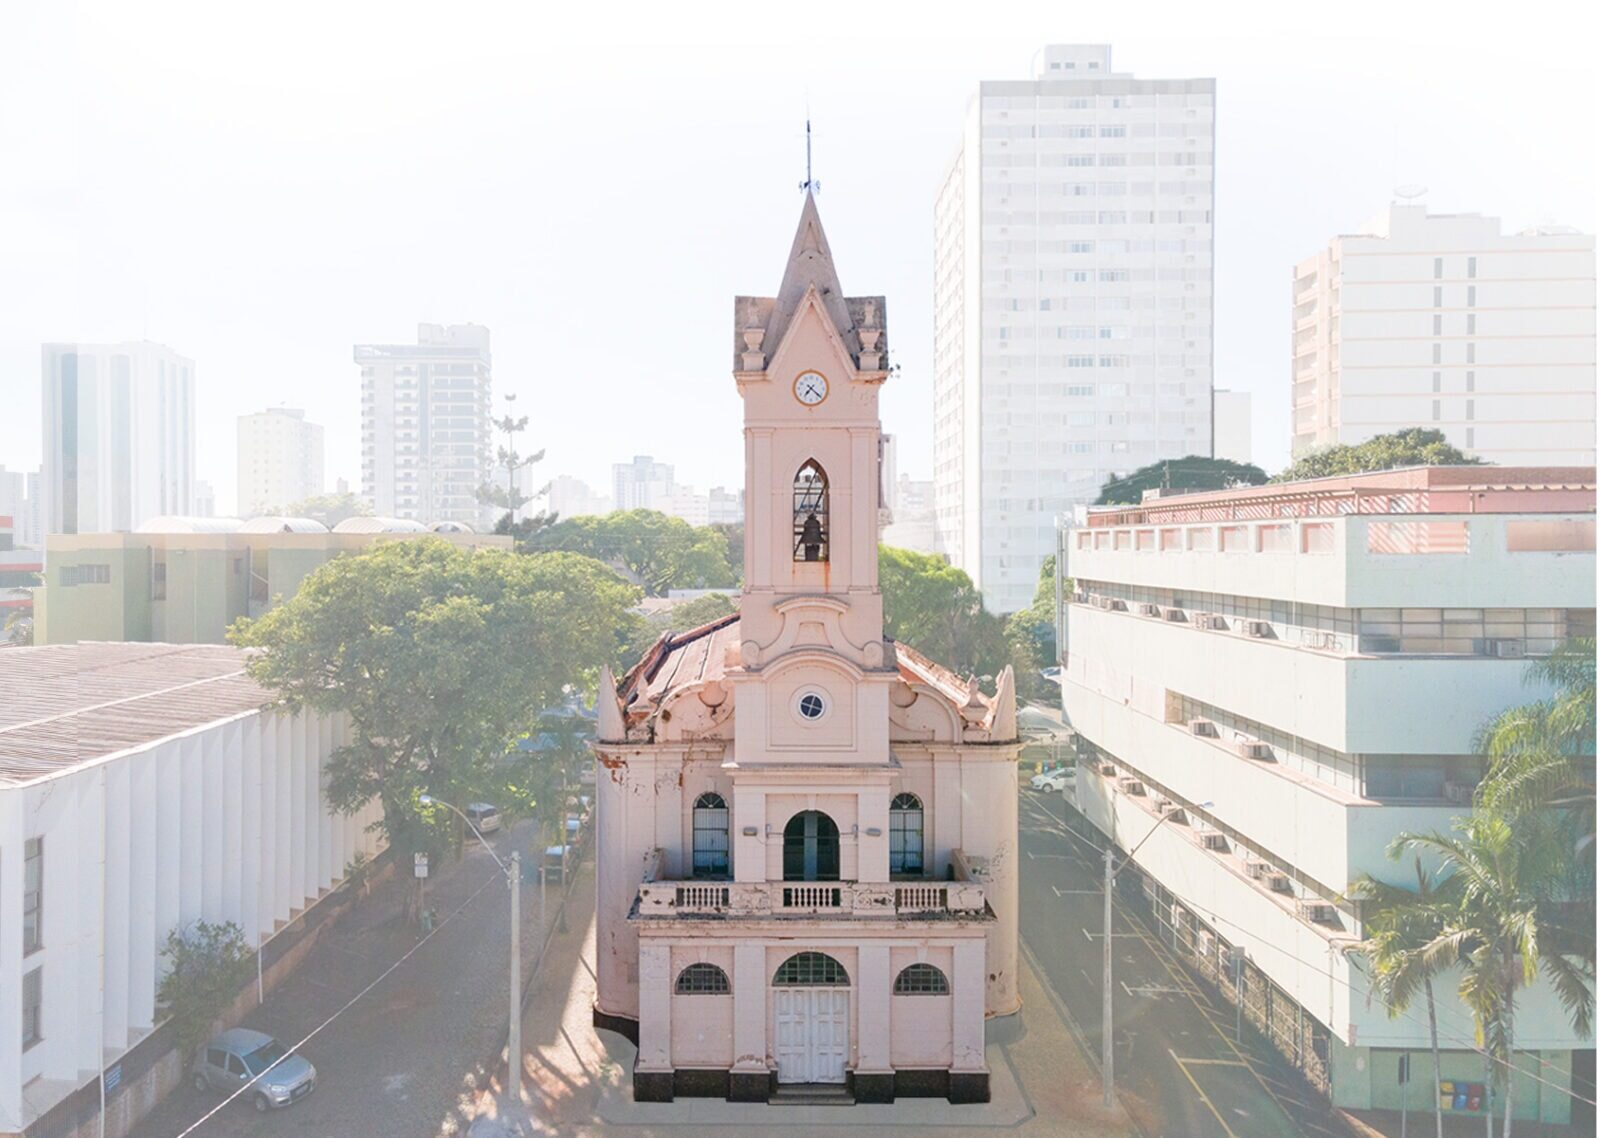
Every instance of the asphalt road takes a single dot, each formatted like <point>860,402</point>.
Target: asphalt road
<point>395,1060</point>
<point>1180,1071</point>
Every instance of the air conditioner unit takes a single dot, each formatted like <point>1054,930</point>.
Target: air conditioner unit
<point>1507,649</point>
<point>1201,620</point>
<point>1148,609</point>
<point>1317,912</point>
<point>1459,793</point>
<point>1108,768</point>
<point>1211,840</point>
<point>1203,727</point>
<point>1257,628</point>
<point>1172,614</point>
<point>1255,869</point>
<point>1204,943</point>
<point>1279,882</point>
<point>1254,749</point>
<point>1131,786</point>
<point>1117,606</point>
<point>1163,803</point>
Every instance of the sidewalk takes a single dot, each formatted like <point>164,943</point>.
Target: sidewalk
<point>577,1084</point>
<point>388,1062</point>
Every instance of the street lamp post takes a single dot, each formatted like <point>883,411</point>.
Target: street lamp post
<point>513,874</point>
<point>1107,1052</point>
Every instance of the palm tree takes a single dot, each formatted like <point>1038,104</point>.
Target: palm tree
<point>1402,923</point>
<point>1502,884</point>
<point>1541,754</point>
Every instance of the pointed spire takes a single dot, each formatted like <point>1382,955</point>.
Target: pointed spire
<point>609,724</point>
<point>810,265</point>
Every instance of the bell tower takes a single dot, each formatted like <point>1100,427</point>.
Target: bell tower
<point>808,364</point>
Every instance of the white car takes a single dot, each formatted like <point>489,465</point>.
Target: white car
<point>1059,779</point>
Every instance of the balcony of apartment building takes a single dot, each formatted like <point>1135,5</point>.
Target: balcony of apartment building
<point>811,889</point>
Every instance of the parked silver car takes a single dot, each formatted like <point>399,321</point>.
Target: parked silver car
<point>483,816</point>
<point>241,1057</point>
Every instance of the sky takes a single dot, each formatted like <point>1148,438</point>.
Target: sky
<point>261,188</point>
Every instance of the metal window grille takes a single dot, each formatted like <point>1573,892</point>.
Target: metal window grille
<point>905,834</point>
<point>921,980</point>
<point>811,513</point>
<point>710,836</point>
<point>33,895</point>
<point>32,1008</point>
<point>811,970</point>
<point>703,980</point>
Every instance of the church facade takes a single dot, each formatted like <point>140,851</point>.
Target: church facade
<point>806,832</point>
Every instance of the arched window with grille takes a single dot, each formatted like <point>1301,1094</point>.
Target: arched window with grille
<point>710,836</point>
<point>921,980</point>
<point>703,980</point>
<point>810,513</point>
<point>811,970</point>
<point>905,835</point>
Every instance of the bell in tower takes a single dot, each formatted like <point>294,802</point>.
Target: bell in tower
<point>811,513</point>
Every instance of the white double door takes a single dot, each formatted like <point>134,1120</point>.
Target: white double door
<point>813,1033</point>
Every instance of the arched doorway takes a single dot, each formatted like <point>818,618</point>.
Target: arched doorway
<point>811,1019</point>
<point>811,847</point>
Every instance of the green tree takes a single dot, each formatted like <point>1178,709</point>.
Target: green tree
<point>934,607</point>
<point>1031,633</point>
<point>1411,447</point>
<point>1502,920</point>
<point>1400,924</point>
<point>733,534</point>
<point>329,509</point>
<point>207,966</point>
<point>440,658</point>
<point>651,549</point>
<point>1541,754</point>
<point>508,497</point>
<point>1192,473</point>
<point>17,628</point>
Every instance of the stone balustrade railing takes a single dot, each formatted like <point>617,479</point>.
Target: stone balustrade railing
<point>810,898</point>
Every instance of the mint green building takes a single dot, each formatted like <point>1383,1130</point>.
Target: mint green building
<point>185,580</point>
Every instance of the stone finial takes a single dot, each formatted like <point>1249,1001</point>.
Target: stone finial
<point>871,358</point>
<point>753,359</point>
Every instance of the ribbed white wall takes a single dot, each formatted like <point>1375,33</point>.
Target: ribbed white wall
<point>225,822</point>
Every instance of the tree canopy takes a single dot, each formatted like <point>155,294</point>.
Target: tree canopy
<point>934,607</point>
<point>1194,472</point>
<point>1411,447</point>
<point>329,509</point>
<point>1031,634</point>
<point>441,658</point>
<point>651,549</point>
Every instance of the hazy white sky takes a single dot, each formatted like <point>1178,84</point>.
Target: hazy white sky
<point>263,187</point>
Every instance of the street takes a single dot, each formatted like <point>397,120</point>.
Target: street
<point>397,1059</point>
<point>1180,1071</point>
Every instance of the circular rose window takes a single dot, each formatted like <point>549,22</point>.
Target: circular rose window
<point>811,706</point>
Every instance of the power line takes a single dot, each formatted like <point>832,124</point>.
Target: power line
<point>1404,1014</point>
<point>452,915</point>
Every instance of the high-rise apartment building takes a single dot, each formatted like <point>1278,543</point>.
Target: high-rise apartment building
<point>642,484</point>
<point>425,424</point>
<point>19,501</point>
<point>280,460</point>
<point>1072,293</point>
<point>569,497</point>
<point>1441,321</point>
<point>118,436</point>
<point>1291,676</point>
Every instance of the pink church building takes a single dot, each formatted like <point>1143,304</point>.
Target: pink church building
<point>807,832</point>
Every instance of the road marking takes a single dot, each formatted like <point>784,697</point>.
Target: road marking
<point>1059,892</point>
<point>1222,1122</point>
<point>1209,1062</point>
<point>1151,990</point>
<point>1089,936</point>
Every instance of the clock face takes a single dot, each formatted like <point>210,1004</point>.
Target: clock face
<point>811,388</point>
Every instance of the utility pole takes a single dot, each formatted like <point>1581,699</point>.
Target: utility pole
<point>514,1040</point>
<point>1107,1028</point>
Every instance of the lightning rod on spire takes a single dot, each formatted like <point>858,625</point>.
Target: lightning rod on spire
<point>810,185</point>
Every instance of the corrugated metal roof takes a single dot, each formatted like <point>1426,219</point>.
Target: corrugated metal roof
<point>62,705</point>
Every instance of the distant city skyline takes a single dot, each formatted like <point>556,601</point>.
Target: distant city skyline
<point>344,247</point>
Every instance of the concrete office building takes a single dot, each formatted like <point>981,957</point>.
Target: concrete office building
<point>280,460</point>
<point>185,580</point>
<point>570,497</point>
<point>1441,321</point>
<point>118,436</point>
<point>1311,661</point>
<point>142,788</point>
<point>1072,303</point>
<point>642,484</point>
<point>426,444</point>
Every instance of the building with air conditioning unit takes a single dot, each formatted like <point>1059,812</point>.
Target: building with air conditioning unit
<point>806,832</point>
<point>1312,660</point>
